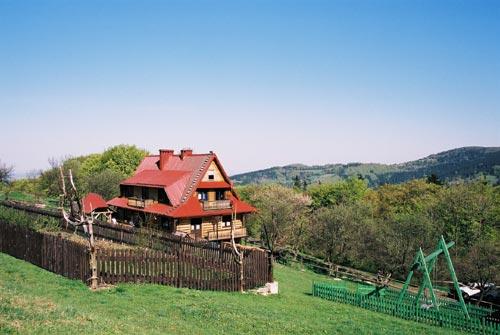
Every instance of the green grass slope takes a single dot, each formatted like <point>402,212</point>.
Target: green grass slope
<point>462,163</point>
<point>33,300</point>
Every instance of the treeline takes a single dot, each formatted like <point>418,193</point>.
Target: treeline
<point>99,173</point>
<point>350,224</point>
<point>454,165</point>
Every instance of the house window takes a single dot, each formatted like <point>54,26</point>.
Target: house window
<point>211,174</point>
<point>195,225</point>
<point>162,196</point>
<point>226,221</point>
<point>202,195</point>
<point>145,193</point>
<point>166,223</point>
<point>219,195</point>
<point>128,191</point>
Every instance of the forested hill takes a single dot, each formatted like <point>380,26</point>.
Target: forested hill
<point>462,163</point>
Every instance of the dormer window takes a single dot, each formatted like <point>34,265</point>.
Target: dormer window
<point>211,176</point>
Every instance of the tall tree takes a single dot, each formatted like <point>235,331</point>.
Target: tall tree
<point>282,215</point>
<point>296,182</point>
<point>105,183</point>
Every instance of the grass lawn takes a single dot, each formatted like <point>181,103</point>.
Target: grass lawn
<point>24,197</point>
<point>33,300</point>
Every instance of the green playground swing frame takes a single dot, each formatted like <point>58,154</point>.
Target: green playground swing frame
<point>425,265</point>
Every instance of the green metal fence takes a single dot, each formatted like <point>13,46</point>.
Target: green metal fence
<point>448,315</point>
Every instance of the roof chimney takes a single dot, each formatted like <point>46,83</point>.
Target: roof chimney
<point>164,156</point>
<point>186,152</point>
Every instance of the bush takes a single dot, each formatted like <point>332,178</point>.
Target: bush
<point>28,220</point>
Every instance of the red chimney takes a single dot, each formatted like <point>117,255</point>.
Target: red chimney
<point>164,155</point>
<point>186,152</point>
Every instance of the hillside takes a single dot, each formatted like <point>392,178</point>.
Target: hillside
<point>33,300</point>
<point>462,163</point>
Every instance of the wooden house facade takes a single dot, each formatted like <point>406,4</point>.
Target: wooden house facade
<point>183,193</point>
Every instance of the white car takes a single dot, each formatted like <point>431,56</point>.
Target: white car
<point>486,286</point>
<point>468,291</point>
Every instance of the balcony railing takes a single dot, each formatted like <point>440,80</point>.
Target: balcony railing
<point>139,203</point>
<point>217,204</point>
<point>226,234</point>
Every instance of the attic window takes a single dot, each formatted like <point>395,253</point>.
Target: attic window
<point>211,174</point>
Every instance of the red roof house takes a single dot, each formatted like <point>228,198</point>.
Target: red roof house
<point>185,192</point>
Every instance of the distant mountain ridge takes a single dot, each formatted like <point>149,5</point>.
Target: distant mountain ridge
<point>457,164</point>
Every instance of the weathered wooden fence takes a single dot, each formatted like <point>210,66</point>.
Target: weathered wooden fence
<point>51,252</point>
<point>178,261</point>
<point>449,314</point>
<point>185,265</point>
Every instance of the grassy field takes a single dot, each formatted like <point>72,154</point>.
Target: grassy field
<point>33,300</point>
<point>20,196</point>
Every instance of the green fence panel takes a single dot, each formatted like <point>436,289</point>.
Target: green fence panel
<point>449,314</point>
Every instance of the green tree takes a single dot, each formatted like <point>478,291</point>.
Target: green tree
<point>122,158</point>
<point>467,211</point>
<point>336,231</point>
<point>296,182</point>
<point>105,183</point>
<point>434,179</point>
<point>5,173</point>
<point>282,215</point>
<point>481,264</point>
<point>342,192</point>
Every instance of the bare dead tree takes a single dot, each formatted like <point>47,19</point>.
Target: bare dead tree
<point>76,218</point>
<point>238,254</point>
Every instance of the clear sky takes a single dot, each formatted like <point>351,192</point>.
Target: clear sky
<point>262,83</point>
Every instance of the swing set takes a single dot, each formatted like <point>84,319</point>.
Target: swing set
<point>423,306</point>
<point>425,265</point>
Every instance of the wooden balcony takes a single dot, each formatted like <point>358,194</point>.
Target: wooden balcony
<point>139,203</point>
<point>225,234</point>
<point>217,204</point>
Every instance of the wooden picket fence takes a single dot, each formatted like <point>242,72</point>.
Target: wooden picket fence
<point>449,314</point>
<point>180,263</point>
<point>181,269</point>
<point>183,266</point>
<point>48,251</point>
<point>258,267</point>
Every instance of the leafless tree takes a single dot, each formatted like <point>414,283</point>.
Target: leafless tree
<point>77,217</point>
<point>5,173</point>
<point>238,254</point>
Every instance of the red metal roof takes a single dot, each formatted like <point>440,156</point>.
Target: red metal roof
<point>161,209</point>
<point>213,184</point>
<point>155,178</point>
<point>93,201</point>
<point>180,177</point>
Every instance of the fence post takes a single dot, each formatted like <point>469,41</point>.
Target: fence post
<point>269,266</point>
<point>178,254</point>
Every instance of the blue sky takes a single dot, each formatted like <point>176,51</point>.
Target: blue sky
<point>261,83</point>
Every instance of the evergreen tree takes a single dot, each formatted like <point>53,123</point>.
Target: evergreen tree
<point>434,179</point>
<point>296,182</point>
